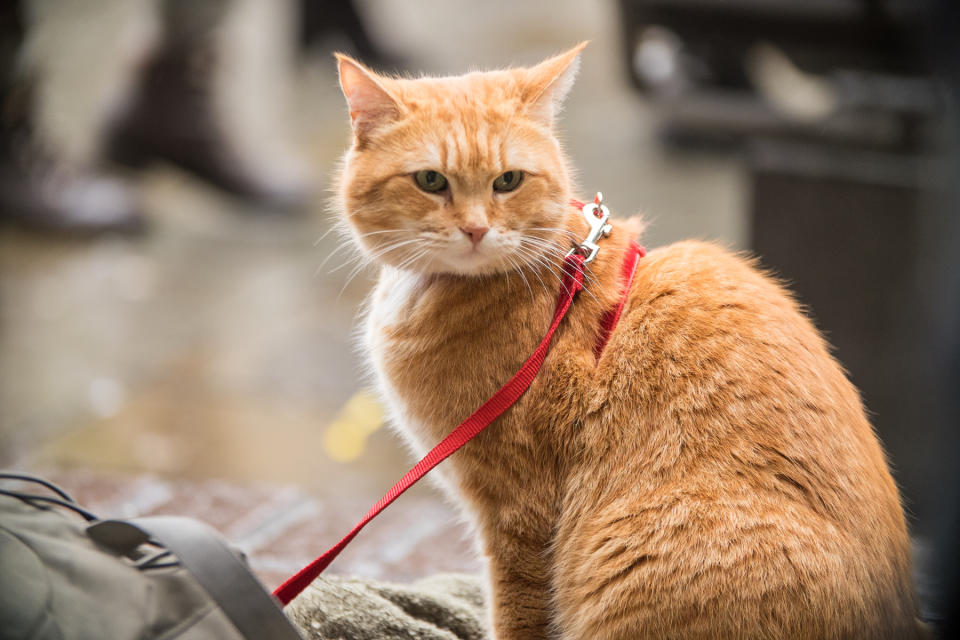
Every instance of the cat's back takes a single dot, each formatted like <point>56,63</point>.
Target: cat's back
<point>702,288</point>
<point>699,313</point>
<point>723,353</point>
<point>745,474</point>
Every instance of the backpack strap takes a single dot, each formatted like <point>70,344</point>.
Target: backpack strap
<point>201,550</point>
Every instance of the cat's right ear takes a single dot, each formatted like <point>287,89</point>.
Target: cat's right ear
<point>371,105</point>
<point>549,82</point>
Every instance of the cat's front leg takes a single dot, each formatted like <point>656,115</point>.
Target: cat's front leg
<point>519,594</point>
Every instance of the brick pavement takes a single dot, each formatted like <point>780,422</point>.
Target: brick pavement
<point>281,527</point>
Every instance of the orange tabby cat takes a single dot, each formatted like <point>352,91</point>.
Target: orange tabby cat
<point>712,475</point>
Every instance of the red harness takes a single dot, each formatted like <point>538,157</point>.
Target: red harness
<point>500,401</point>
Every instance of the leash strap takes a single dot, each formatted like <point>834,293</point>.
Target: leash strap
<point>610,319</point>
<point>466,431</point>
<point>215,567</point>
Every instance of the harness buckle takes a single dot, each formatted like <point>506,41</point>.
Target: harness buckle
<point>597,216</point>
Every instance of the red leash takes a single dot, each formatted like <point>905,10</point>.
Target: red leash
<point>485,415</point>
<point>610,319</point>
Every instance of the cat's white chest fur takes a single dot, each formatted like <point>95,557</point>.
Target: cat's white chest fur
<point>392,298</point>
<point>390,305</point>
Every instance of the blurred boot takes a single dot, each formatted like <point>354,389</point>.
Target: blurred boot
<point>39,189</point>
<point>340,18</point>
<point>39,193</point>
<point>174,114</point>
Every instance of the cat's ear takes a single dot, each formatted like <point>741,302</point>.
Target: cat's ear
<point>371,105</point>
<point>549,83</point>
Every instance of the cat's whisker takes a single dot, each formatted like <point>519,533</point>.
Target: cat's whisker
<point>361,263</point>
<point>529,247</point>
<point>506,276</point>
<point>384,250</point>
<point>560,230</point>
<point>584,285</point>
<point>417,254</point>
<point>589,277</point>
<point>546,244</point>
<point>382,231</point>
<point>566,240</point>
<point>562,245</point>
<point>391,246</point>
<point>346,284</point>
<point>537,258</point>
<point>350,276</point>
<point>414,257</point>
<point>356,256</point>
<point>426,248</point>
<point>332,228</point>
<point>520,272</point>
<point>535,272</point>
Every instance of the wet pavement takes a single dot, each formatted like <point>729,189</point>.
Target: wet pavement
<point>214,356</point>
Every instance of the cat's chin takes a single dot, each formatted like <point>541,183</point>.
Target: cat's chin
<point>477,264</point>
<point>466,269</point>
<point>454,259</point>
<point>459,262</point>
<point>471,266</point>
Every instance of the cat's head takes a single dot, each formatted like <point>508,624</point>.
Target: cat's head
<point>461,174</point>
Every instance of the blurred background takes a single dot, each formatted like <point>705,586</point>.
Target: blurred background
<point>176,324</point>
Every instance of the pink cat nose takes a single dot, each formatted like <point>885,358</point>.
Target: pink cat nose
<point>476,233</point>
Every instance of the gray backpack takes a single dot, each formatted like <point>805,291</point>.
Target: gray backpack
<point>66,578</point>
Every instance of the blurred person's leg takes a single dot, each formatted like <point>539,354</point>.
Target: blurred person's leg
<point>39,187</point>
<point>183,110</point>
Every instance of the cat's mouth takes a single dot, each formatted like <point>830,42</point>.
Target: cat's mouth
<point>473,260</point>
<point>500,251</point>
<point>464,256</point>
<point>460,256</point>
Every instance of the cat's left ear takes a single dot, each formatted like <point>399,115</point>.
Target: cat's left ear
<point>371,105</point>
<point>549,83</point>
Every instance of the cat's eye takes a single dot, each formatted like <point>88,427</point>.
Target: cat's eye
<point>430,181</point>
<point>508,181</point>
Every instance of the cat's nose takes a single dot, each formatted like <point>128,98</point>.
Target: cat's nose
<point>476,233</point>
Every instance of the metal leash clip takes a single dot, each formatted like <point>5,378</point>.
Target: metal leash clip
<point>597,216</point>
